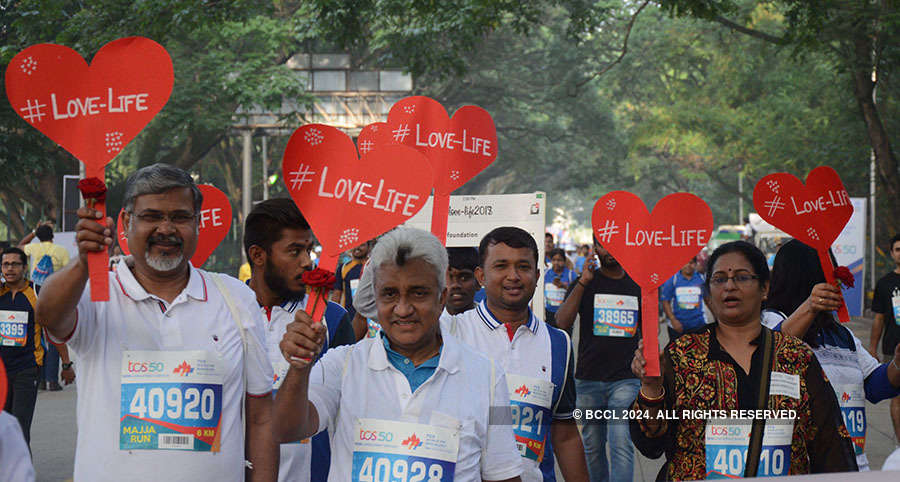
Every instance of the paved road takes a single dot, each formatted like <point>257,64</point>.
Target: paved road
<point>53,430</point>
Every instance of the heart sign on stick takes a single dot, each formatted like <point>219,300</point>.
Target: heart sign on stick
<point>814,213</point>
<point>215,221</point>
<point>651,248</point>
<point>374,134</point>
<point>346,201</point>
<point>91,111</point>
<point>458,148</point>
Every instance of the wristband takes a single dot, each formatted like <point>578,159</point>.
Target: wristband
<point>582,284</point>
<point>66,366</point>
<point>894,362</point>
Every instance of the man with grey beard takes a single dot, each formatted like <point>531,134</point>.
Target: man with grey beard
<point>173,358</point>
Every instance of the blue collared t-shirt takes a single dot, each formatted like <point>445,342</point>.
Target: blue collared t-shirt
<point>686,296</point>
<point>415,375</point>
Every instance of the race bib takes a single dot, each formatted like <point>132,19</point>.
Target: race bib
<point>13,328</point>
<point>389,451</point>
<point>354,283</point>
<point>687,297</point>
<point>554,295</point>
<point>895,301</point>
<point>615,315</point>
<point>530,402</point>
<point>727,443</point>
<point>852,400</point>
<point>171,400</point>
<point>372,328</point>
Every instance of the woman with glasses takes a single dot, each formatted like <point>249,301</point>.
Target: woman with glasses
<point>799,289</point>
<point>737,399</point>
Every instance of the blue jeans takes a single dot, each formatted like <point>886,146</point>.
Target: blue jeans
<point>618,395</point>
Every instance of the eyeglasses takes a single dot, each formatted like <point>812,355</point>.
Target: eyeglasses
<point>742,280</point>
<point>154,217</point>
<point>12,265</point>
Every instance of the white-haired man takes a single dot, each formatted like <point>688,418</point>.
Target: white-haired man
<point>412,402</point>
<point>174,357</point>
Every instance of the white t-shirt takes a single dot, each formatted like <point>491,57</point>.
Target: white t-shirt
<point>296,458</point>
<point>15,460</point>
<point>846,370</point>
<point>134,320</point>
<point>358,382</point>
<point>529,354</point>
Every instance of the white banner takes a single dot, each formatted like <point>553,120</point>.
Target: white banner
<point>850,250</point>
<point>471,217</point>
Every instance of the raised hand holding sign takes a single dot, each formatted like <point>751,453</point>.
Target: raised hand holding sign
<point>346,201</point>
<point>91,111</point>
<point>814,213</point>
<point>214,223</point>
<point>651,247</point>
<point>458,148</point>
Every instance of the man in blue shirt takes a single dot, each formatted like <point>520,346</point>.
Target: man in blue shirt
<point>556,283</point>
<point>682,300</point>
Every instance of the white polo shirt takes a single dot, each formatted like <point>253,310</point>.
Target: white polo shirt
<point>296,457</point>
<point>136,321</point>
<point>15,460</point>
<point>357,382</point>
<point>529,355</point>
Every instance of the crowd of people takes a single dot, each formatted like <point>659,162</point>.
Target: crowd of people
<point>429,363</point>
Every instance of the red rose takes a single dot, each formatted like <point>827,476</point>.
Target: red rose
<point>318,278</point>
<point>92,188</point>
<point>843,275</point>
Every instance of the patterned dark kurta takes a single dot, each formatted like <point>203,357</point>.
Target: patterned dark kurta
<point>700,375</point>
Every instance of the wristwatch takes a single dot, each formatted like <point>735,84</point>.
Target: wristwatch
<point>67,366</point>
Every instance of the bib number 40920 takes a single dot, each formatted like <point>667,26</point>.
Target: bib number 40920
<point>192,404</point>
<point>383,469</point>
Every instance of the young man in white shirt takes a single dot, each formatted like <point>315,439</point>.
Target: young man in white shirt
<point>278,241</point>
<point>174,359</point>
<point>536,357</point>
<point>412,400</point>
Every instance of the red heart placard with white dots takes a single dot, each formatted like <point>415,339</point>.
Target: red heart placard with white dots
<point>214,223</point>
<point>815,213</point>
<point>651,247</point>
<point>93,111</point>
<point>348,202</point>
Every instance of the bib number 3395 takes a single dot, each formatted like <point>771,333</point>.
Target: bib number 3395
<point>170,400</point>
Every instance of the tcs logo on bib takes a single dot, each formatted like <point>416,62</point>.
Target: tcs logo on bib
<point>371,435</point>
<point>145,367</point>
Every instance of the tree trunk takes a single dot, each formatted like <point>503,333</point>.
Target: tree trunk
<point>885,160</point>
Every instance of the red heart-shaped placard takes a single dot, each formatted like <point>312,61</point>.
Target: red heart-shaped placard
<point>91,111</point>
<point>372,135</point>
<point>652,247</point>
<point>458,148</point>
<point>215,221</point>
<point>348,202</point>
<point>814,213</point>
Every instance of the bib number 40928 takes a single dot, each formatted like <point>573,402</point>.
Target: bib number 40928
<point>192,404</point>
<point>383,469</point>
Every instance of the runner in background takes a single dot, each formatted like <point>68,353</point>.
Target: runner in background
<point>684,290</point>
<point>278,241</point>
<point>800,303</point>
<point>461,282</point>
<point>608,303</point>
<point>886,305</point>
<point>347,276</point>
<point>556,283</point>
